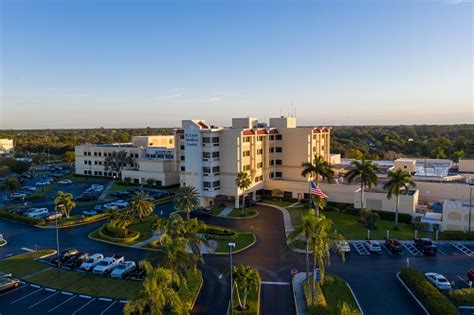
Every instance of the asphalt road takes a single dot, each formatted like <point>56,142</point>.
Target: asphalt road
<point>372,277</point>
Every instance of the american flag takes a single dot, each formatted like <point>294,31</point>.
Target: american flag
<point>316,191</point>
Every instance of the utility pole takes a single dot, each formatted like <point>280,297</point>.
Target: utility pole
<point>231,246</point>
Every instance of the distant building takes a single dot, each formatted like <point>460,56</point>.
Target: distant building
<point>6,146</point>
<point>456,216</point>
<point>466,165</point>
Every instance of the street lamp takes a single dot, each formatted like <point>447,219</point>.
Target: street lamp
<point>57,239</point>
<point>470,204</point>
<point>231,246</point>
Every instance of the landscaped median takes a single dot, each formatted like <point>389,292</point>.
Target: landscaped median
<point>247,213</point>
<point>223,236</point>
<point>334,297</point>
<point>433,301</point>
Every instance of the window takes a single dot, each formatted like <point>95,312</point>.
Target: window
<point>216,184</point>
<point>260,138</point>
<point>258,178</point>
<point>85,162</point>
<point>259,151</point>
<point>278,175</point>
<point>206,170</point>
<point>182,147</point>
<point>260,165</point>
<point>246,167</point>
<point>206,140</point>
<point>95,162</point>
<point>272,137</point>
<point>85,172</point>
<point>183,168</point>
<point>216,169</point>
<point>246,139</point>
<point>206,184</point>
<point>215,139</point>
<point>272,150</point>
<point>206,155</point>
<point>182,157</point>
<point>100,153</point>
<point>246,153</point>
<point>136,155</point>
<point>181,136</point>
<point>278,162</point>
<point>278,137</point>
<point>95,153</point>
<point>272,162</point>
<point>215,154</point>
<point>170,141</point>
<point>278,149</point>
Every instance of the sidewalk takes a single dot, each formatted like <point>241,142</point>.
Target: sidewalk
<point>224,213</point>
<point>156,236</point>
<point>298,293</point>
<point>106,190</point>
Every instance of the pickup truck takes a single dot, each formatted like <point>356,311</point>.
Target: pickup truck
<point>91,262</point>
<point>108,264</point>
<point>426,246</point>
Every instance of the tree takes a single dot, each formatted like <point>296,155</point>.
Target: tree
<point>369,218</point>
<point>116,161</point>
<point>64,203</point>
<point>277,193</point>
<point>243,182</point>
<point>19,167</point>
<point>366,172</point>
<point>246,278</point>
<point>439,153</point>
<point>142,205</point>
<point>317,170</point>
<point>159,293</point>
<point>354,154</point>
<point>304,230</point>
<point>399,182</point>
<point>11,184</point>
<point>69,157</point>
<point>186,199</point>
<point>456,156</point>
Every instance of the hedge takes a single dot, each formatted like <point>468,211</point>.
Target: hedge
<point>434,301</point>
<point>118,229</point>
<point>9,215</point>
<point>384,215</point>
<point>219,231</point>
<point>458,235</point>
<point>462,297</point>
<point>74,220</point>
<point>112,239</point>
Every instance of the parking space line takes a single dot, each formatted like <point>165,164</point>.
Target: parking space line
<point>50,290</point>
<point>16,289</point>
<point>80,308</point>
<point>462,279</point>
<point>23,297</point>
<point>66,293</point>
<point>441,252</point>
<point>61,304</point>
<point>412,249</point>
<point>463,249</point>
<point>46,298</point>
<point>361,249</point>
<point>105,299</point>
<point>386,250</point>
<point>123,301</point>
<point>108,307</point>
<point>84,296</point>
<point>34,286</point>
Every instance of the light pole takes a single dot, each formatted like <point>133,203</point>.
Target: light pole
<point>470,204</point>
<point>57,239</point>
<point>231,246</point>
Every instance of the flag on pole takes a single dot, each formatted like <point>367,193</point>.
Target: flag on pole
<point>316,191</point>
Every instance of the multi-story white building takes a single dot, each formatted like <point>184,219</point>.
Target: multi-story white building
<point>6,146</point>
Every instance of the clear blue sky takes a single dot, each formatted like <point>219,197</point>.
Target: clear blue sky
<point>84,63</point>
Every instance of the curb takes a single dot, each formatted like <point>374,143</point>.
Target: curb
<point>355,298</point>
<point>197,292</point>
<point>241,218</point>
<point>412,294</point>
<point>236,251</point>
<point>294,295</point>
<point>71,225</point>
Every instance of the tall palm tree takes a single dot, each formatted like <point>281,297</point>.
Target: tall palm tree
<point>246,278</point>
<point>186,199</point>
<point>141,206</point>
<point>304,229</point>
<point>321,240</point>
<point>316,171</point>
<point>399,183</point>
<point>158,294</point>
<point>366,172</point>
<point>243,182</point>
<point>64,203</point>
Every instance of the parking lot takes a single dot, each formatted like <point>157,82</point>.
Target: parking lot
<point>34,299</point>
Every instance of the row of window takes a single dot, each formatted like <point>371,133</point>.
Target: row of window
<point>214,169</point>
<point>208,155</point>
<point>276,162</point>
<point>88,153</point>
<point>260,138</point>
<point>258,178</point>
<point>216,184</point>
<point>206,140</point>
<point>276,149</point>
<point>100,173</point>
<point>276,175</point>
<point>159,156</point>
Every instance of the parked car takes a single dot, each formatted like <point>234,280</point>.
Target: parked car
<point>470,274</point>
<point>107,264</point>
<point>77,260</point>
<point>438,280</point>
<point>89,212</point>
<point>18,195</point>
<point>65,255</point>
<point>136,274</point>
<point>344,246</point>
<point>65,182</point>
<point>53,216</point>
<point>37,213</point>
<point>8,283</point>
<point>426,246</point>
<point>123,269</point>
<point>393,245</point>
<point>21,209</point>
<point>91,262</point>
<point>4,274</point>
<point>373,246</point>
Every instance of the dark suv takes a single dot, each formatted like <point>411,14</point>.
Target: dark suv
<point>393,245</point>
<point>426,246</point>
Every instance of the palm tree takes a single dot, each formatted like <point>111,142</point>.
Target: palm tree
<point>366,171</point>
<point>243,182</point>
<point>399,183</point>
<point>158,294</point>
<point>64,203</point>
<point>246,278</point>
<point>304,229</point>
<point>317,170</point>
<point>321,240</point>
<point>186,199</point>
<point>141,206</point>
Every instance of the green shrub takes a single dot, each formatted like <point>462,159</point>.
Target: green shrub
<point>458,235</point>
<point>463,297</point>
<point>219,231</point>
<point>112,239</point>
<point>21,218</point>
<point>36,196</point>
<point>434,301</point>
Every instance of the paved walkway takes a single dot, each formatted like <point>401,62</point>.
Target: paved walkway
<point>106,190</point>
<point>300,301</point>
<point>224,213</point>
<point>286,217</point>
<point>156,236</point>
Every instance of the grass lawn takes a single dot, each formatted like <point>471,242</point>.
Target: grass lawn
<point>243,240</point>
<point>247,212</point>
<point>23,265</point>
<point>338,297</point>
<point>217,209</point>
<point>145,228</point>
<point>351,229</point>
<point>88,284</point>
<point>281,203</point>
<point>253,302</point>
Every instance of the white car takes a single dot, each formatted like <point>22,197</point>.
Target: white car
<point>18,196</point>
<point>373,246</point>
<point>120,203</point>
<point>89,212</point>
<point>343,246</point>
<point>438,280</point>
<point>107,264</point>
<point>91,262</point>
<point>65,182</point>
<point>122,269</point>
<point>37,213</point>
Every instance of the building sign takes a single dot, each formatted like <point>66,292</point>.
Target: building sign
<point>191,139</point>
